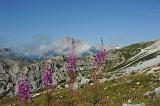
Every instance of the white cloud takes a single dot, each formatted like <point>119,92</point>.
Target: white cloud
<point>83,47</point>
<point>61,47</point>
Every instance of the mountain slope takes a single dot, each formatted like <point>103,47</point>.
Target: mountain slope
<point>134,55</point>
<point>133,66</point>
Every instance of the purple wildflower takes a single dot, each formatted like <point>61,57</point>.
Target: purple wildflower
<point>24,91</point>
<point>71,62</point>
<point>47,77</point>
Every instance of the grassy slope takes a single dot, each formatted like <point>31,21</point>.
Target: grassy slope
<point>111,90</point>
<point>128,52</point>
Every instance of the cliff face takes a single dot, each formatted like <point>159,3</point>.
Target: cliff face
<point>7,81</point>
<point>9,74</point>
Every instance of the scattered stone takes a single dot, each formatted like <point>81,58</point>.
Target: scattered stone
<point>125,104</point>
<point>138,83</point>
<point>129,101</point>
<point>157,91</point>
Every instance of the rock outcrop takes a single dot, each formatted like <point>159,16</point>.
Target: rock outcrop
<point>9,74</point>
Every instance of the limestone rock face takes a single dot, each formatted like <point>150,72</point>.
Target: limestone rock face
<point>9,74</point>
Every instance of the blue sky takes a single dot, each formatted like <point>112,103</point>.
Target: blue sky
<point>120,22</point>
